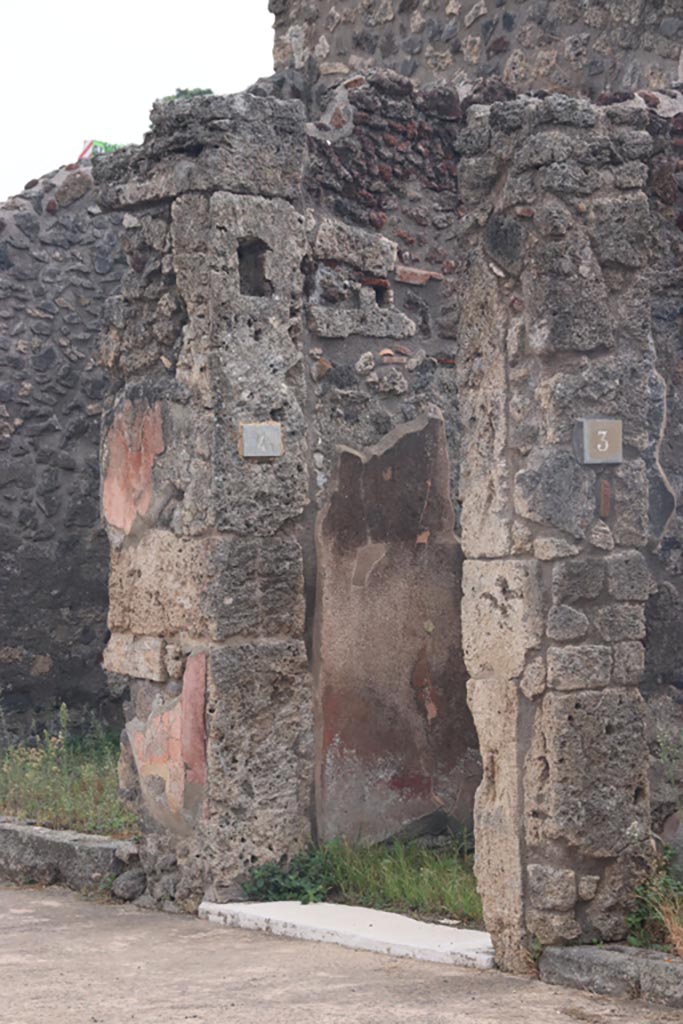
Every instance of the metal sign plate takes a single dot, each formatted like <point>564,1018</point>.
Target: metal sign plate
<point>261,440</point>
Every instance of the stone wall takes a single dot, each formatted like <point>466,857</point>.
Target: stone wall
<point>207,585</point>
<point>590,46</point>
<point>247,300</point>
<point>557,655</point>
<point>423,297</point>
<point>663,682</point>
<point>59,260</point>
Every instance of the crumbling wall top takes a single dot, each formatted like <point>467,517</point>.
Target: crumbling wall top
<point>586,46</point>
<point>243,143</point>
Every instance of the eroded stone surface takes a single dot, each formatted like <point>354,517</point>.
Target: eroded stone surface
<point>536,310</point>
<point>501,618</point>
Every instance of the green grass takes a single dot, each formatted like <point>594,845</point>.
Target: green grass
<point>404,877</point>
<point>66,784</point>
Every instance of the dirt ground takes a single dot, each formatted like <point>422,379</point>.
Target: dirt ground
<point>65,960</point>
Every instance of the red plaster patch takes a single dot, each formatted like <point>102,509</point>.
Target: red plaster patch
<point>172,744</point>
<point>133,443</point>
<point>157,750</point>
<point>417,785</point>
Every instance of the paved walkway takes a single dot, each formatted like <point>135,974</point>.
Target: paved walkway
<point>64,960</point>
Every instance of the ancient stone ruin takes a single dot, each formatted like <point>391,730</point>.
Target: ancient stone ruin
<point>60,258</point>
<point>391,467</point>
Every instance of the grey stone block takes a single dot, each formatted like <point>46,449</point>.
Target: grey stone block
<point>661,980</point>
<point>29,853</point>
<point>592,968</point>
<point>616,971</point>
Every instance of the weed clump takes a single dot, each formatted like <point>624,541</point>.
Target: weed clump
<point>405,877</point>
<point>66,783</point>
<point>657,921</point>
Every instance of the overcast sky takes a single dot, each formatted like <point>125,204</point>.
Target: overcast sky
<point>72,70</point>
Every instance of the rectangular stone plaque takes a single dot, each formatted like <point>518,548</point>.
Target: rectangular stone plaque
<point>600,441</point>
<point>261,440</point>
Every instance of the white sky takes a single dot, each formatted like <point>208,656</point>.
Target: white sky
<point>73,70</point>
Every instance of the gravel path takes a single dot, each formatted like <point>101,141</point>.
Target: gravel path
<point>65,960</point>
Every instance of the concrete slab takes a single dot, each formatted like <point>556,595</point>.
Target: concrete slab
<point>358,928</point>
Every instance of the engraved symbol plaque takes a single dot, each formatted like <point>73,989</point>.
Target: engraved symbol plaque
<point>600,442</point>
<point>261,440</point>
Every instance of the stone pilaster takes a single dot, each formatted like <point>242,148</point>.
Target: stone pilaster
<point>555,327</point>
<point>206,586</point>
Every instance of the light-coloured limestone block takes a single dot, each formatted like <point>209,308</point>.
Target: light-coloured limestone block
<point>498,838</point>
<point>502,618</point>
<point>141,657</point>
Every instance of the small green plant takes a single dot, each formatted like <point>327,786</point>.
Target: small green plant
<point>535,950</point>
<point>657,920</point>
<point>306,877</point>
<point>404,877</point>
<point>66,783</point>
<point>186,94</point>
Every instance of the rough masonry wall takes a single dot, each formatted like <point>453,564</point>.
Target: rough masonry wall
<point>663,682</point>
<point>207,587</point>
<point>59,260</point>
<point>556,317</point>
<point>393,728</point>
<point>610,289</point>
<point>442,288</point>
<point>589,46</point>
<point>238,308</point>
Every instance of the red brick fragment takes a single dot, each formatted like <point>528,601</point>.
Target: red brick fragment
<point>415,275</point>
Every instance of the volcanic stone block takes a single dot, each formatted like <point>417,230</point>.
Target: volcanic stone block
<point>593,794</point>
<point>628,578</point>
<point>215,588</point>
<point>369,320</point>
<point>621,622</point>
<point>551,888</point>
<point>244,143</point>
<point>364,250</point>
<point>631,500</point>
<point>565,623</point>
<point>629,663</point>
<point>136,656</point>
<point>622,226</point>
<point>33,855</point>
<point>484,475</point>
<point>577,579</point>
<point>260,737</point>
<point>565,294</point>
<point>587,667</point>
<point>256,248</point>
<point>556,491</point>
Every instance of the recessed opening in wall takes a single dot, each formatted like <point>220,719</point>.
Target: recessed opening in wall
<point>251,257</point>
<point>382,294</point>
